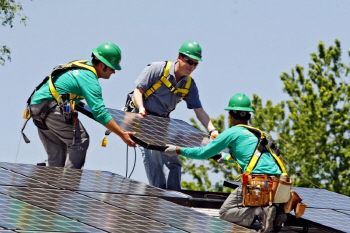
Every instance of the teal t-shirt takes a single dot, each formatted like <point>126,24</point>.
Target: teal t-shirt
<point>80,82</point>
<point>241,142</point>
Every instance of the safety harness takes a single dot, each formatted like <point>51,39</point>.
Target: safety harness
<point>167,83</point>
<point>65,101</point>
<point>260,148</point>
<point>131,104</point>
<point>263,189</point>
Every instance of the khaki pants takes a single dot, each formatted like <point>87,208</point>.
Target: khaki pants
<point>233,210</point>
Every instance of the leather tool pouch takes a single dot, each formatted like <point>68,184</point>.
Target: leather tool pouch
<point>258,191</point>
<point>281,188</point>
<point>294,203</point>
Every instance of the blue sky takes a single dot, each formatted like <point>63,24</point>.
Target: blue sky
<point>246,46</point>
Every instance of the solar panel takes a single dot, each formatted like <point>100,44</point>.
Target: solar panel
<point>155,132</point>
<point>18,215</point>
<point>91,212</point>
<point>12,179</point>
<point>88,180</point>
<point>327,217</point>
<point>168,213</point>
<point>322,198</point>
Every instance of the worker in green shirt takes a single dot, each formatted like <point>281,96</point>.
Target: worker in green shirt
<point>242,144</point>
<point>53,102</point>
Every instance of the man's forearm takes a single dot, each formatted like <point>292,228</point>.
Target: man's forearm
<point>204,118</point>
<point>114,127</point>
<point>138,97</point>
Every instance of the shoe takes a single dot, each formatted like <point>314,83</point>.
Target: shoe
<point>281,217</point>
<point>267,218</point>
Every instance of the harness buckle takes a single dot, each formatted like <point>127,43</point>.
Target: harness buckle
<point>173,89</point>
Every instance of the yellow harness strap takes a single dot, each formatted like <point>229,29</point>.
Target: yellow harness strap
<point>75,64</point>
<point>167,83</point>
<point>256,155</point>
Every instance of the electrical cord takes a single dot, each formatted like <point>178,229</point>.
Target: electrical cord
<point>127,160</point>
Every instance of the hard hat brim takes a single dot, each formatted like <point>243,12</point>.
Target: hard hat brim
<point>192,56</point>
<point>239,109</point>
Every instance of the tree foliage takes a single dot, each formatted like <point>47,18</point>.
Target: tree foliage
<point>312,127</point>
<point>8,11</point>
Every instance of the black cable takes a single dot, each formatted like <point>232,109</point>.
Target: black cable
<point>134,163</point>
<point>127,162</point>
<point>127,159</point>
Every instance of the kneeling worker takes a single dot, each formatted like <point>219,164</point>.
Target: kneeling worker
<point>244,143</point>
<point>53,102</point>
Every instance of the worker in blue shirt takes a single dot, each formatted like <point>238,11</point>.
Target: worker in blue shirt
<point>159,88</point>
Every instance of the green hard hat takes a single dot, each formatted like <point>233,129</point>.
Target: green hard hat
<point>109,54</point>
<point>191,49</point>
<point>240,102</point>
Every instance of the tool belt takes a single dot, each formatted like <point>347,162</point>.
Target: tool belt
<point>261,189</point>
<point>258,190</point>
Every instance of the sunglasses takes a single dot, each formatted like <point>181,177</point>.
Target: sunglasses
<point>190,62</point>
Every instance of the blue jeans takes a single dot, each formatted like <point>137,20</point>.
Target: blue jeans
<point>162,171</point>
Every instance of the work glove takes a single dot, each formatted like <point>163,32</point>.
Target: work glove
<point>170,150</point>
<point>142,112</point>
<point>213,134</point>
<point>219,158</point>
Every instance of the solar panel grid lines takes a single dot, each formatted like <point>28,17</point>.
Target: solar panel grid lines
<point>86,210</point>
<point>18,215</point>
<point>167,213</point>
<point>13,179</point>
<point>156,131</point>
<point>312,197</point>
<point>328,217</point>
<point>88,180</point>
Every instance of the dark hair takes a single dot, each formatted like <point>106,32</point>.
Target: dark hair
<point>240,115</point>
<point>94,60</point>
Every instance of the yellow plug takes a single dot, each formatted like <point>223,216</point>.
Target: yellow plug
<point>104,142</point>
<point>26,113</point>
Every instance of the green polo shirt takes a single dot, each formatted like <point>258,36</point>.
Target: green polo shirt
<point>241,142</point>
<point>80,82</point>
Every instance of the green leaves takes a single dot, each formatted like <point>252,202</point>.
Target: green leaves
<point>9,9</point>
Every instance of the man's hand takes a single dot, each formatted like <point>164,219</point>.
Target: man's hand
<point>126,138</point>
<point>170,150</point>
<point>213,134</point>
<point>142,112</point>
